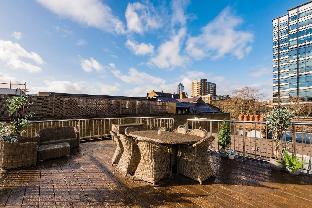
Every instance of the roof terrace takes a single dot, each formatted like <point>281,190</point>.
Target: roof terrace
<point>88,179</point>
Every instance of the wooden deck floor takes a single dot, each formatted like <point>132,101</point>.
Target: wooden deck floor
<point>88,180</point>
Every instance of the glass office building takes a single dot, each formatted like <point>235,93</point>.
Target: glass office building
<point>292,55</point>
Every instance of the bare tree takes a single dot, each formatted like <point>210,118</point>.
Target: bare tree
<point>299,108</point>
<point>246,100</point>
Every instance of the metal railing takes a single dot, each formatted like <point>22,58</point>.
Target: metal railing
<point>252,139</point>
<point>97,127</point>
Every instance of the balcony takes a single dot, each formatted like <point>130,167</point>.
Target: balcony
<point>87,179</point>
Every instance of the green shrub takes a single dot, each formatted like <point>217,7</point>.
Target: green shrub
<point>292,162</point>
<point>278,120</point>
<point>6,133</point>
<point>19,115</point>
<point>224,135</point>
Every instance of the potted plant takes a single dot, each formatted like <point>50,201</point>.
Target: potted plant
<point>241,117</point>
<point>246,117</point>
<point>278,120</point>
<point>15,150</point>
<point>252,117</point>
<point>224,138</point>
<point>292,163</point>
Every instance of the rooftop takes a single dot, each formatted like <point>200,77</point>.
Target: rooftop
<point>190,100</point>
<point>87,179</point>
<point>8,91</point>
<point>308,2</point>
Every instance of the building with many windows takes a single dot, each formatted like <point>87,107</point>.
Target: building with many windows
<point>211,88</point>
<point>202,87</point>
<point>292,55</point>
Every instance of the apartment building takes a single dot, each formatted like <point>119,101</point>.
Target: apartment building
<point>203,87</point>
<point>292,55</point>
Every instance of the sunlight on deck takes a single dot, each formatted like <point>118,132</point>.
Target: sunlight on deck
<point>88,179</point>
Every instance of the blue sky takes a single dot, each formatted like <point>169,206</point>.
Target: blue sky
<point>131,47</point>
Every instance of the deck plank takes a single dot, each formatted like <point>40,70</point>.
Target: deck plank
<point>87,179</point>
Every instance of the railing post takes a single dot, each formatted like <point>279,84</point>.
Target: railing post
<point>302,138</point>
<point>120,106</point>
<point>218,148</point>
<point>136,108</point>
<point>234,135</point>
<point>244,144</point>
<point>294,138</point>
<point>255,139</point>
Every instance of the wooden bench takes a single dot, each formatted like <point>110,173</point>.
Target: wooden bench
<point>57,142</point>
<point>51,151</point>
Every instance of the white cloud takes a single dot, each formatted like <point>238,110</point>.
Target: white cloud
<point>140,48</point>
<point>5,78</point>
<point>168,54</point>
<point>265,88</point>
<point>90,65</point>
<point>138,83</point>
<point>178,16</point>
<point>138,91</point>
<point>141,18</point>
<point>62,86</point>
<point>79,87</point>
<point>221,37</point>
<point>260,72</point>
<point>135,77</point>
<point>15,57</point>
<point>92,13</point>
<point>142,89</point>
<point>225,86</point>
<point>17,35</point>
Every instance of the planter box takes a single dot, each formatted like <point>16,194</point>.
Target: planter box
<point>223,153</point>
<point>298,172</point>
<point>276,165</point>
<point>17,154</point>
<point>231,157</point>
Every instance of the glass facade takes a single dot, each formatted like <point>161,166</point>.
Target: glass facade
<point>292,55</point>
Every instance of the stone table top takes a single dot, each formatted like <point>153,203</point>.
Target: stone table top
<point>128,124</point>
<point>165,137</point>
<point>120,128</point>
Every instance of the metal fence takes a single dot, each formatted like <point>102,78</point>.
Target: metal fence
<point>253,139</point>
<point>97,127</point>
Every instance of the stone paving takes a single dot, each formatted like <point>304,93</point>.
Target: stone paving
<point>86,179</point>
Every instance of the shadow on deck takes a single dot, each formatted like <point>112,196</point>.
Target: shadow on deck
<point>88,179</point>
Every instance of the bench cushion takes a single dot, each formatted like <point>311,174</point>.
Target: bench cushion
<point>51,151</point>
<point>73,142</point>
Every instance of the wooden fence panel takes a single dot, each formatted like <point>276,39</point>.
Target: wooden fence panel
<point>71,107</point>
